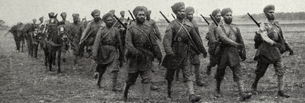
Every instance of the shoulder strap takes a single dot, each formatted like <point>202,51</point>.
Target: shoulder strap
<point>146,35</point>
<point>106,33</point>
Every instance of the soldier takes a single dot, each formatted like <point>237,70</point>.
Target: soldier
<point>270,49</point>
<point>213,41</point>
<point>194,58</point>
<point>142,49</point>
<point>180,40</point>
<point>153,24</point>
<point>76,30</point>
<point>17,35</point>
<point>156,31</point>
<point>107,49</point>
<point>66,24</point>
<point>89,33</point>
<point>231,50</point>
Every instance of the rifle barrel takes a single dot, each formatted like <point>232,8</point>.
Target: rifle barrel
<point>120,21</point>
<point>205,19</point>
<point>164,17</point>
<point>253,20</point>
<point>173,16</point>
<point>214,20</point>
<point>131,15</point>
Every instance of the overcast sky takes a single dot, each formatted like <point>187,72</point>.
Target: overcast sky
<point>13,11</point>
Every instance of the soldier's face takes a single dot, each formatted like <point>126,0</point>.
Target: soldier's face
<point>109,21</point>
<point>64,16</point>
<point>270,15</point>
<point>76,20</point>
<point>34,21</point>
<point>140,17</point>
<point>218,17</point>
<point>96,17</point>
<point>190,15</point>
<point>181,14</point>
<point>228,18</point>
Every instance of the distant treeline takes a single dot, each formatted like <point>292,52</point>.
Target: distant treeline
<point>279,16</point>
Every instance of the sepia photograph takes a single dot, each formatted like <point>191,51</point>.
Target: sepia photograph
<point>152,51</point>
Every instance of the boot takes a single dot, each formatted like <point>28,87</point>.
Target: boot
<point>281,87</point>
<point>243,96</point>
<point>282,94</point>
<point>200,83</point>
<point>169,89</point>
<point>217,91</point>
<point>254,85</point>
<point>96,74</point>
<point>115,87</point>
<point>125,94</point>
<point>194,98</point>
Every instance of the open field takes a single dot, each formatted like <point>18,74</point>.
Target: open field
<point>25,80</point>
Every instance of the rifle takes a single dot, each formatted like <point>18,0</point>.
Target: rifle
<point>164,17</point>
<point>173,16</point>
<point>120,21</point>
<point>205,19</point>
<point>6,34</point>
<point>253,20</point>
<point>131,15</point>
<point>214,20</point>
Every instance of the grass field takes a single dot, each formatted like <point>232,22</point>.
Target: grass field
<point>25,80</point>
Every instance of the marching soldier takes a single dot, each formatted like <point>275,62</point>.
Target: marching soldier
<point>180,42</point>
<point>142,49</point>
<point>76,30</point>
<point>213,41</point>
<point>66,24</point>
<point>107,49</point>
<point>269,50</point>
<point>89,34</point>
<point>194,58</point>
<point>231,50</point>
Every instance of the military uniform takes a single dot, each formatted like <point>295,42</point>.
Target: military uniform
<point>107,49</point>
<point>76,32</point>
<point>176,42</point>
<point>229,55</point>
<point>213,42</point>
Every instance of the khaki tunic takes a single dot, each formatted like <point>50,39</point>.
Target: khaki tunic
<point>142,47</point>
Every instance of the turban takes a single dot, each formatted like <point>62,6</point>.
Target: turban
<point>139,8</point>
<point>75,15</point>
<point>41,19</point>
<point>112,11</point>
<point>225,11</point>
<point>148,12</point>
<point>268,7</point>
<point>63,13</point>
<point>52,15</point>
<point>177,6</point>
<point>109,14</point>
<point>215,12</point>
<point>95,11</point>
<point>122,12</point>
<point>189,9</point>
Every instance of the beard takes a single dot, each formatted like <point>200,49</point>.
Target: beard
<point>270,17</point>
<point>109,24</point>
<point>217,20</point>
<point>228,21</point>
<point>97,19</point>
<point>140,20</point>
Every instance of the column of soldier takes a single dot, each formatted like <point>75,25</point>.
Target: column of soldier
<point>111,41</point>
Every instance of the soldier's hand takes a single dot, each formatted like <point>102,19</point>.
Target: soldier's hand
<point>204,54</point>
<point>291,52</point>
<point>276,45</point>
<point>239,46</point>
